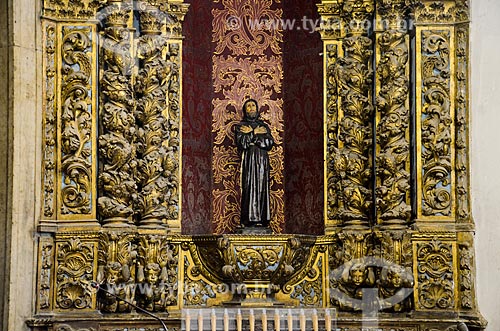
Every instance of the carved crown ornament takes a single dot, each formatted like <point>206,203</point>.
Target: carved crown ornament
<point>398,228</point>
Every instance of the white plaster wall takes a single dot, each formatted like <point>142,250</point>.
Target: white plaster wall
<point>485,129</point>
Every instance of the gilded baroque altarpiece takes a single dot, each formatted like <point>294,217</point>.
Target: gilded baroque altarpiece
<point>397,216</point>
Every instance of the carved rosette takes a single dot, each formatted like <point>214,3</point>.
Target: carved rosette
<point>49,120</point>
<point>463,211</point>
<point>157,270</point>
<point>77,112</point>
<point>74,271</point>
<point>116,272</point>
<point>435,279</point>
<point>353,160</point>
<point>117,151</point>
<point>393,125</point>
<point>45,274</point>
<point>435,125</point>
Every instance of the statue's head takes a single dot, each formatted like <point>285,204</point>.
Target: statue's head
<point>251,110</point>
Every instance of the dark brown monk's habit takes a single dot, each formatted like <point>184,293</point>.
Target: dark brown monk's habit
<point>254,169</point>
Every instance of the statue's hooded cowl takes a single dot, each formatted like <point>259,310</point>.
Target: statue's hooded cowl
<point>255,170</point>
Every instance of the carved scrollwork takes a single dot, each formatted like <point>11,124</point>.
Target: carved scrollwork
<point>353,159</point>
<point>50,122</point>
<point>435,275</point>
<point>436,124</point>
<point>309,291</point>
<point>76,121</point>
<point>393,160</point>
<point>462,119</point>
<point>197,291</point>
<point>258,262</point>
<point>116,147</point>
<point>116,272</point>
<point>74,272</point>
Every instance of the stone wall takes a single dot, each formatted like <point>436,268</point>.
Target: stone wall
<point>485,48</point>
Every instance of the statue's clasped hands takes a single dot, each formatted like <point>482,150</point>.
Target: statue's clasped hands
<point>257,130</point>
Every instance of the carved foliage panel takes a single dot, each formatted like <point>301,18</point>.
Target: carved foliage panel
<point>49,164</point>
<point>435,285</point>
<point>247,63</point>
<point>332,51</point>
<point>435,111</point>
<point>45,273</point>
<point>75,269</point>
<point>463,212</point>
<point>77,113</point>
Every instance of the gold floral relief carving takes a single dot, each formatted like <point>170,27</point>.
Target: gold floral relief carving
<point>45,284</point>
<point>306,287</point>
<point>197,290</point>
<point>434,265</point>
<point>248,27</point>
<point>436,123</point>
<point>463,213</point>
<point>466,258</point>
<point>393,112</point>
<point>353,161</point>
<point>74,272</point>
<point>77,112</point>
<point>50,122</point>
<point>331,127</point>
<point>83,9</point>
<point>431,11</point>
<point>116,141</point>
<point>157,112</point>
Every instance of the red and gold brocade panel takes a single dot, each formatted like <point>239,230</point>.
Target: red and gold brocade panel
<point>247,63</point>
<point>196,115</point>
<point>303,116</point>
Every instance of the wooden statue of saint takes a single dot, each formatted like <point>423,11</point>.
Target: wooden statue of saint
<point>254,140</point>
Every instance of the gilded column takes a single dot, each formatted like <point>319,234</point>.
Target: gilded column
<point>349,113</point>
<point>117,106</point>
<point>392,88</point>
<point>158,114</point>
